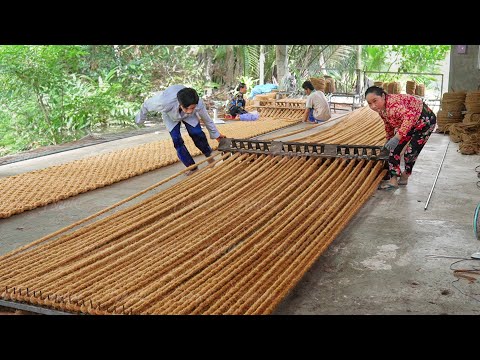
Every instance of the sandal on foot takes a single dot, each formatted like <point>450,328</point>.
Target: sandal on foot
<point>192,171</point>
<point>402,182</point>
<point>387,187</point>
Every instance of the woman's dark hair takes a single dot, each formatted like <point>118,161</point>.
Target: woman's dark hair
<point>187,97</point>
<point>375,90</point>
<point>308,85</point>
<point>240,86</point>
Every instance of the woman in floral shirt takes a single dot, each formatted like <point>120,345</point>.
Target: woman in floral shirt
<point>408,121</point>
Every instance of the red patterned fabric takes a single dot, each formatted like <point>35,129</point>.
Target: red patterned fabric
<point>402,112</point>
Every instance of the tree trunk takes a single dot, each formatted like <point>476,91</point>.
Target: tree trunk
<point>359,70</point>
<point>321,62</point>
<point>239,66</point>
<point>281,60</point>
<point>208,68</point>
<point>137,52</point>
<point>307,60</point>
<point>229,65</point>
<point>262,64</point>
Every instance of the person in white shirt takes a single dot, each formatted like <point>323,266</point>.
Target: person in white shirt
<point>317,107</point>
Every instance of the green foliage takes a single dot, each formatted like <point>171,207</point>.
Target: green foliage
<point>252,63</point>
<point>249,81</point>
<point>375,57</point>
<point>52,94</point>
<point>306,61</point>
<point>402,59</point>
<point>310,59</point>
<point>419,58</point>
<point>220,52</point>
<point>32,81</point>
<point>341,61</point>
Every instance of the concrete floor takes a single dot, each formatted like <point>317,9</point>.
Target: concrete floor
<point>380,265</point>
<point>377,265</point>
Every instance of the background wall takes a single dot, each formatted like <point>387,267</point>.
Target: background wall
<point>464,69</point>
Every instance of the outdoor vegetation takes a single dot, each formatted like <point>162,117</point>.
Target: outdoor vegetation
<point>51,94</point>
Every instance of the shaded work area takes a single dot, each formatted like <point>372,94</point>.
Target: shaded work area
<point>385,261</point>
<point>158,258</point>
<point>397,258</point>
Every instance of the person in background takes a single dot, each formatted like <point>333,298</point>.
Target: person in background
<point>179,104</point>
<point>408,122</point>
<point>317,108</point>
<point>237,103</point>
<point>289,82</point>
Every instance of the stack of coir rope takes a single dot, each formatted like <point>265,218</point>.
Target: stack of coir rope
<point>318,83</point>
<point>452,106</point>
<point>393,87</point>
<point>410,87</point>
<point>467,132</point>
<point>420,90</point>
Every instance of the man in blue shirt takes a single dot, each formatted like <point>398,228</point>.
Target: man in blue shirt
<point>178,104</point>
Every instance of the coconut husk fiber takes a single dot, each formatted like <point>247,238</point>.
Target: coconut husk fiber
<point>456,132</point>
<point>452,115</point>
<point>466,132</point>
<point>394,87</point>
<point>330,85</point>
<point>470,144</point>
<point>471,118</point>
<point>447,118</point>
<point>318,83</point>
<point>410,87</point>
<point>390,88</point>
<point>453,101</point>
<point>472,101</point>
<point>420,90</point>
<point>468,136</point>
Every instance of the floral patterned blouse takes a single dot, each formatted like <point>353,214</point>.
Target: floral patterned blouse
<point>402,111</point>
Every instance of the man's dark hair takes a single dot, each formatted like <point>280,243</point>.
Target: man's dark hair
<point>375,90</point>
<point>187,97</point>
<point>240,86</point>
<point>308,85</point>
